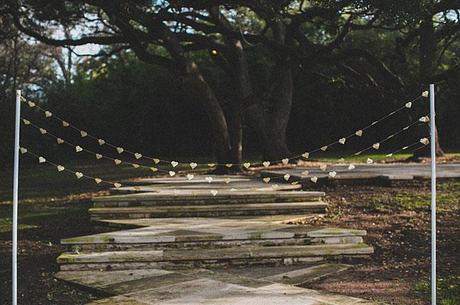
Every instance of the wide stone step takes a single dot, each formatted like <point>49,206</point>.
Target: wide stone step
<point>208,210</point>
<point>119,260</point>
<point>186,197</point>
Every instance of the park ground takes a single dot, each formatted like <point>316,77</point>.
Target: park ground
<point>396,217</point>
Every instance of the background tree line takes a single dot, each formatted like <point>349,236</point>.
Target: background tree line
<point>216,78</point>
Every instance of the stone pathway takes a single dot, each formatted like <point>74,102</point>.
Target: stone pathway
<point>191,246</point>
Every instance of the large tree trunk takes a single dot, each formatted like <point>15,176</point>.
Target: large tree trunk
<point>427,69</point>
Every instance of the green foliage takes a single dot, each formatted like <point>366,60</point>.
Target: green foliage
<point>448,289</point>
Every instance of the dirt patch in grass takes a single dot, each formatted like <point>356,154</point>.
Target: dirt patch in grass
<point>397,219</point>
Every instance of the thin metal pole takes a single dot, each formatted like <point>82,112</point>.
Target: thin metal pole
<point>433,194</point>
<point>15,200</point>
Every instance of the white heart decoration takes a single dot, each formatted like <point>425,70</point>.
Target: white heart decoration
<point>43,131</point>
<point>359,133</point>
<point>424,119</point>
<point>117,161</point>
<point>351,167</point>
<point>23,150</point>
<point>305,173</point>
<point>101,142</point>
<point>190,177</point>
<point>228,165</point>
<point>314,179</point>
<point>174,163</point>
<point>79,175</point>
<point>120,150</point>
<point>135,165</point>
<point>408,105</point>
<point>332,174</point>
<point>98,156</point>
<point>172,174</point>
<point>306,155</point>
<point>247,165</point>
<point>60,168</point>
<point>31,104</point>
<point>227,180</point>
<point>285,161</point>
<point>154,169</point>
<point>209,179</point>
<point>324,148</point>
<point>323,167</point>
<point>266,163</point>
<point>267,179</point>
<point>41,160</point>
<point>83,133</point>
<point>26,122</point>
<point>214,192</point>
<point>78,149</point>
<point>211,164</point>
<point>65,124</point>
<point>425,141</point>
<point>60,141</point>
<point>117,185</point>
<point>425,94</point>
<point>369,161</point>
<point>376,146</point>
<point>342,140</point>
<point>48,114</point>
<point>156,161</point>
<point>286,177</point>
<point>295,182</point>
<point>389,155</point>
<point>137,156</point>
<point>193,165</point>
<point>98,180</point>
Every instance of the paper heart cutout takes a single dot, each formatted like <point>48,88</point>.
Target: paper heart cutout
<point>323,167</point>
<point>101,142</point>
<point>286,177</point>
<point>83,134</point>
<point>424,141</point>
<point>117,185</point>
<point>156,161</point>
<point>174,163</point>
<point>31,104</point>
<point>41,160</point>
<point>228,165</point>
<point>389,155</point>
<point>424,119</point>
<point>314,179</point>
<point>306,155</point>
<point>43,131</point>
<point>209,179</point>
<point>190,177</point>
<point>376,146</point>
<point>369,161</point>
<point>425,93</point>
<point>79,175</point>
<point>137,156</point>
<point>266,179</point>
<point>351,167</point>
<point>60,141</point>
<point>247,165</point>
<point>342,141</point>
<point>26,122</point>
<point>285,161</point>
<point>65,124</point>
<point>98,156</point>
<point>359,133</point>
<point>214,192</point>
<point>408,105</point>
<point>78,149</point>
<point>135,165</point>
<point>120,150</point>
<point>295,183</point>
<point>154,169</point>
<point>60,168</point>
<point>117,161</point>
<point>227,180</point>
<point>172,173</point>
<point>193,165</point>
<point>405,147</point>
<point>275,186</point>
<point>23,150</point>
<point>305,173</point>
<point>97,180</point>
<point>211,164</point>
<point>48,114</point>
<point>332,174</point>
<point>266,163</point>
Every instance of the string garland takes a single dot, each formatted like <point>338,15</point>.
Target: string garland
<point>285,161</point>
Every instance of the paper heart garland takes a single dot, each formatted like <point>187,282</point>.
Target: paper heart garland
<point>78,149</point>
<point>83,134</point>
<point>266,163</point>
<point>314,179</point>
<point>295,182</point>
<point>209,179</point>
<point>174,163</point>
<point>324,148</point>
<point>120,150</point>
<point>342,141</point>
<point>172,174</point>
<point>97,180</point>
<point>227,180</point>
<point>247,165</point>
<point>306,155</point>
<point>156,161</point>
<point>137,156</point>
<point>369,161</point>
<point>305,173</point>
<point>228,165</point>
<point>79,175</point>
<point>60,168</point>
<point>332,174</point>
<point>351,167</point>
<point>135,165</point>
<point>376,146</point>
<point>31,104</point>
<point>101,142</point>
<point>117,161</point>
<point>193,165</point>
<point>408,105</point>
<point>425,94</point>
<point>190,177</point>
<point>117,185</point>
<point>48,114</point>
<point>154,169</point>
<point>43,131</point>
<point>323,167</point>
<point>60,141</point>
<point>211,164</point>
<point>266,179</point>
<point>65,124</point>
<point>98,156</point>
<point>286,177</point>
<point>23,150</point>
<point>41,160</point>
<point>425,141</point>
<point>359,133</point>
<point>214,192</point>
<point>285,161</point>
<point>26,122</point>
<point>424,119</point>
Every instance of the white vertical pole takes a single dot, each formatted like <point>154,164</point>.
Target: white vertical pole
<point>433,194</point>
<point>15,200</point>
